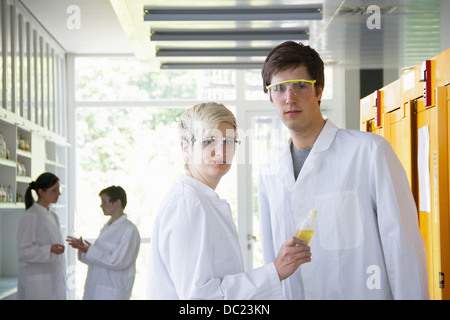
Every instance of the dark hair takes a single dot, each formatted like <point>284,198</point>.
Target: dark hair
<point>116,193</point>
<point>44,181</point>
<point>290,55</point>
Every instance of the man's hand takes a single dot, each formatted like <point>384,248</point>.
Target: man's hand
<point>293,253</point>
<point>79,244</point>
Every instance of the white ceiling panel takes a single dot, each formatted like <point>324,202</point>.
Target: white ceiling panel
<point>409,30</point>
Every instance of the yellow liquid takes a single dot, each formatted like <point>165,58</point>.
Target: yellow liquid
<point>304,235</point>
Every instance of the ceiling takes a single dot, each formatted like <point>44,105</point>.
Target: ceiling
<point>409,30</point>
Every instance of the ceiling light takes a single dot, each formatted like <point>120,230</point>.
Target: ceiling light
<point>303,12</point>
<point>196,66</point>
<point>206,52</point>
<point>229,35</point>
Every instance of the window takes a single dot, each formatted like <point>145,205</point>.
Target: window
<point>254,86</point>
<point>269,134</point>
<point>138,149</point>
<point>135,147</point>
<point>129,79</point>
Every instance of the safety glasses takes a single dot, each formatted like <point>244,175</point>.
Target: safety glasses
<point>298,87</point>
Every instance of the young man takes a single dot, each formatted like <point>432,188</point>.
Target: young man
<point>112,258</point>
<point>366,243</point>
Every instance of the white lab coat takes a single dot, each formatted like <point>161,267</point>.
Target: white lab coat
<point>367,244</point>
<point>42,274</point>
<point>111,261</point>
<point>195,252</point>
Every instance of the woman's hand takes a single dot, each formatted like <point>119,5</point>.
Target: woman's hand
<point>293,253</point>
<point>57,248</point>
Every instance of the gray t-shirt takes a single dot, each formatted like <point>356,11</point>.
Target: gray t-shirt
<point>298,158</point>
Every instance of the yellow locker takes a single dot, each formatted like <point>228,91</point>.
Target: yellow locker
<point>418,102</point>
<point>371,113</point>
<point>367,112</point>
<point>432,221</point>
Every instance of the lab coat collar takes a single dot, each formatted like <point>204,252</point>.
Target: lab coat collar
<point>48,215</point>
<point>322,143</point>
<point>326,137</point>
<point>286,166</point>
<point>108,228</point>
<point>199,185</point>
<point>40,208</point>
<point>119,220</point>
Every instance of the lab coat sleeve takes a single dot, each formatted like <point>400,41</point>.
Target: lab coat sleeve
<point>187,248</point>
<point>264,220</point>
<point>402,242</point>
<point>119,258</point>
<point>28,249</point>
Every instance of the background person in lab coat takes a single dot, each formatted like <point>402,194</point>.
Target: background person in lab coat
<point>112,258</point>
<point>367,243</point>
<point>195,252</point>
<point>42,267</point>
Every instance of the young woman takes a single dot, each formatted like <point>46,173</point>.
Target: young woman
<point>42,268</point>
<point>195,252</point>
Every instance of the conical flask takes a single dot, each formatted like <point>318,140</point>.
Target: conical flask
<point>305,229</point>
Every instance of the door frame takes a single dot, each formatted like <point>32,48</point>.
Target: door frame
<point>245,185</point>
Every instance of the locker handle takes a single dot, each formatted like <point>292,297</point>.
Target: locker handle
<point>378,111</point>
<point>426,79</point>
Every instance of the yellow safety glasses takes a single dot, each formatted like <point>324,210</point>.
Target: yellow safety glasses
<point>299,87</point>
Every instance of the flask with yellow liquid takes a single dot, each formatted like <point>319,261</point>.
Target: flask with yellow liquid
<point>305,229</point>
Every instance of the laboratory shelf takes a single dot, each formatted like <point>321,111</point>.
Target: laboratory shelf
<point>8,286</point>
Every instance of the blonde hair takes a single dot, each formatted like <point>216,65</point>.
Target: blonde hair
<point>195,121</point>
<point>201,117</point>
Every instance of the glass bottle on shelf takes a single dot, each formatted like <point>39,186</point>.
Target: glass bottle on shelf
<point>2,194</point>
<point>26,145</point>
<point>19,197</point>
<point>3,149</point>
<point>21,142</point>
<point>21,171</point>
<point>10,195</point>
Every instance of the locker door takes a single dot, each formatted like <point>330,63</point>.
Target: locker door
<point>443,103</point>
<point>425,216</point>
<point>397,130</point>
<point>434,218</point>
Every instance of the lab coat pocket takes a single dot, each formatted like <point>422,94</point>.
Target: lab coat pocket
<point>339,220</point>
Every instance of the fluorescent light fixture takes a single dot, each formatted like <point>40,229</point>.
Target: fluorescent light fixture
<point>233,65</point>
<point>269,13</point>
<point>219,52</point>
<point>229,35</point>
